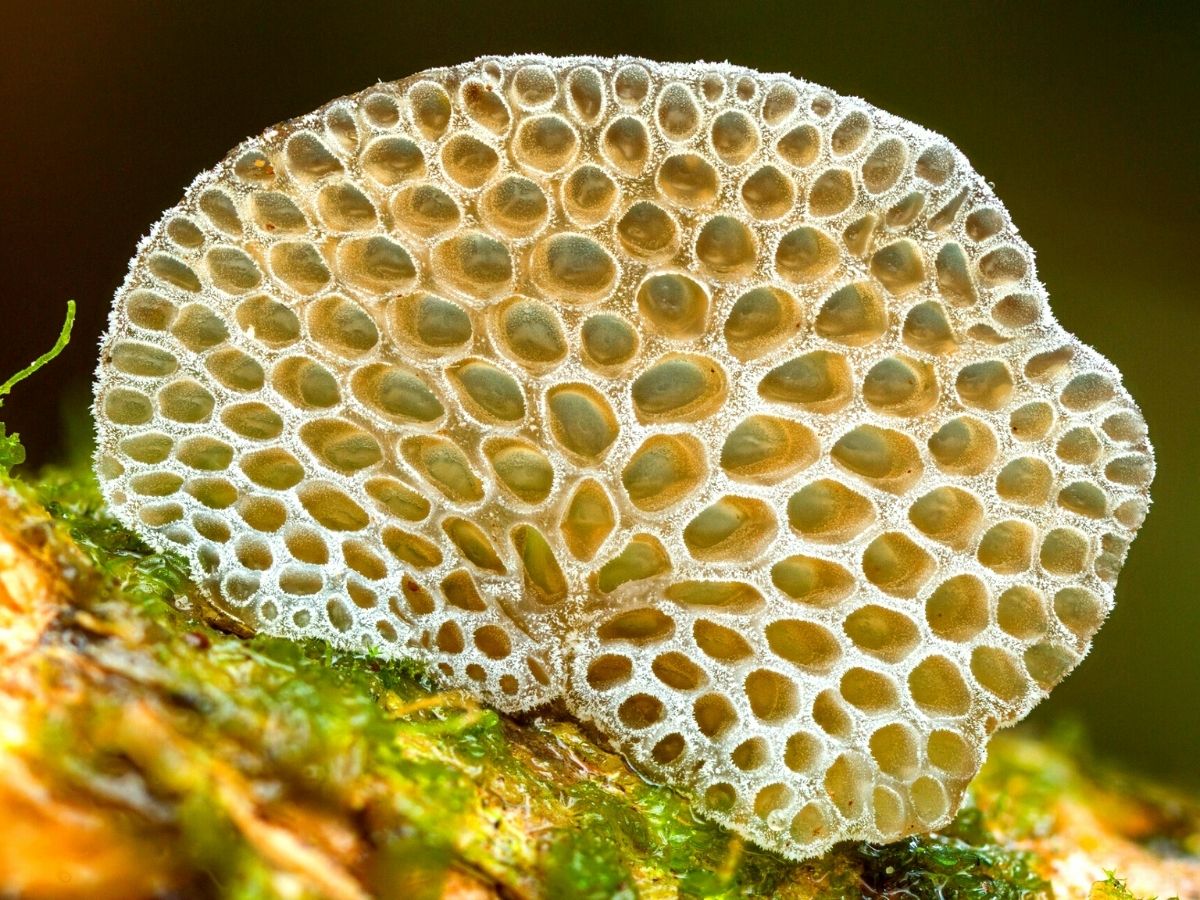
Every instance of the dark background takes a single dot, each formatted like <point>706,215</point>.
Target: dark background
<point>1084,118</point>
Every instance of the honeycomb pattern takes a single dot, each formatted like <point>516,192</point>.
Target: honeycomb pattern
<point>726,409</point>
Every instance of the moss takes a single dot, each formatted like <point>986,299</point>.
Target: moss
<point>124,565</point>
<point>580,861</point>
<point>963,861</point>
<point>1113,888</point>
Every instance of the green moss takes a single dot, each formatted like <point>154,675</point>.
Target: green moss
<point>224,865</point>
<point>126,567</point>
<point>960,862</point>
<point>581,861</point>
<point>1113,888</point>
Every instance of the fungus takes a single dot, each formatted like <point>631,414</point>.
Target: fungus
<point>735,419</point>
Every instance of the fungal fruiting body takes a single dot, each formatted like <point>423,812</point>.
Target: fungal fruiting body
<point>723,408</point>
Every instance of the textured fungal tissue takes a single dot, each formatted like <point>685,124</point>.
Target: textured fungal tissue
<point>723,409</point>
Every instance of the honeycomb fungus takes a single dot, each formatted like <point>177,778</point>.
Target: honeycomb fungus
<point>725,409</point>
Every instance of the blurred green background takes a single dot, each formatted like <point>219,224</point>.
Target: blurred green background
<point>1082,115</point>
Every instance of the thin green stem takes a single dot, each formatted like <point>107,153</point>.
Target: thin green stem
<point>63,338</point>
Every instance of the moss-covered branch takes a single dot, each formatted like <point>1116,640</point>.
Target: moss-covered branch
<point>146,753</point>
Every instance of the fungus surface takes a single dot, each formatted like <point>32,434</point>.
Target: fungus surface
<point>723,408</point>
